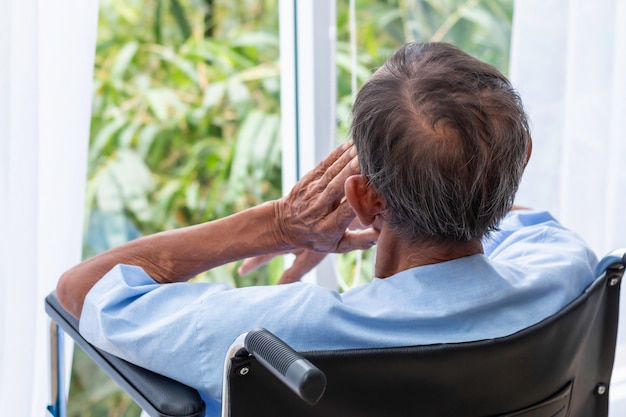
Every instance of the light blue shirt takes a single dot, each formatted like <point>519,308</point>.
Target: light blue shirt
<point>532,267</point>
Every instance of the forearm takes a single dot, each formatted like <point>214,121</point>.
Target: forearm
<point>180,254</point>
<point>313,216</point>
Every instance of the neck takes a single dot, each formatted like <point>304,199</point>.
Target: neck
<point>394,255</point>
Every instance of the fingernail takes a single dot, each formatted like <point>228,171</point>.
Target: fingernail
<point>353,152</point>
<point>355,163</point>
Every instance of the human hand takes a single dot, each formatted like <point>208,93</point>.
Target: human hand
<point>315,214</point>
<point>305,261</point>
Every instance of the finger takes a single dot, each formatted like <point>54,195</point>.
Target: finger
<point>358,240</point>
<point>334,162</point>
<point>333,180</point>
<point>332,227</point>
<point>343,216</point>
<point>251,264</point>
<point>303,264</point>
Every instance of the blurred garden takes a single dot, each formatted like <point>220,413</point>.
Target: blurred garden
<point>186,115</point>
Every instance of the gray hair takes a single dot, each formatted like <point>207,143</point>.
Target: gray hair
<point>443,137</point>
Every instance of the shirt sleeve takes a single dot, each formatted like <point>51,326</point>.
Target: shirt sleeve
<point>126,309</point>
<point>192,325</point>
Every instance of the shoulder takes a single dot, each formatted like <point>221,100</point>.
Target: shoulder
<point>524,233</point>
<point>537,251</point>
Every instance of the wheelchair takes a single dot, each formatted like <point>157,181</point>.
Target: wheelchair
<point>559,367</point>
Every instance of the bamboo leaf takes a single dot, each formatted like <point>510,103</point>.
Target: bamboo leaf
<point>181,20</point>
<point>344,61</point>
<point>192,196</point>
<point>237,91</point>
<point>256,40</point>
<point>105,136</point>
<point>108,193</point>
<point>126,11</point>
<point>122,61</point>
<point>158,104</point>
<point>115,194</point>
<point>146,138</point>
<point>243,155</point>
<point>128,134</point>
<point>165,105</point>
<point>166,201</point>
<point>265,138</point>
<point>178,61</point>
<point>134,193</point>
<point>158,20</point>
<point>254,155</point>
<point>478,16</point>
<point>214,94</point>
<point>388,21</point>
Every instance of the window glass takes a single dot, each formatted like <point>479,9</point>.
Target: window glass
<point>186,116</point>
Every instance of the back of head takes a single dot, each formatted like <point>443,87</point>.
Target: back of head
<point>443,137</point>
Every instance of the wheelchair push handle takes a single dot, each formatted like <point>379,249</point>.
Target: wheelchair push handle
<point>300,375</point>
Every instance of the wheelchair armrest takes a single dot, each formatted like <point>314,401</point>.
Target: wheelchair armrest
<point>614,261</point>
<point>292,369</point>
<point>156,394</point>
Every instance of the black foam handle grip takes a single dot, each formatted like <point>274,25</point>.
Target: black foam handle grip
<point>300,375</point>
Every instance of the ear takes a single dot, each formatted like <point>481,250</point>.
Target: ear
<point>529,151</point>
<point>364,199</point>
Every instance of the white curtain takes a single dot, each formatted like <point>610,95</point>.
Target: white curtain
<point>47,51</point>
<point>568,59</point>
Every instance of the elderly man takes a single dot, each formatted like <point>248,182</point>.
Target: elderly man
<point>442,141</point>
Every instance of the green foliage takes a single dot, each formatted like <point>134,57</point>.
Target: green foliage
<point>479,27</point>
<point>174,123</point>
<point>93,394</point>
<point>186,115</point>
